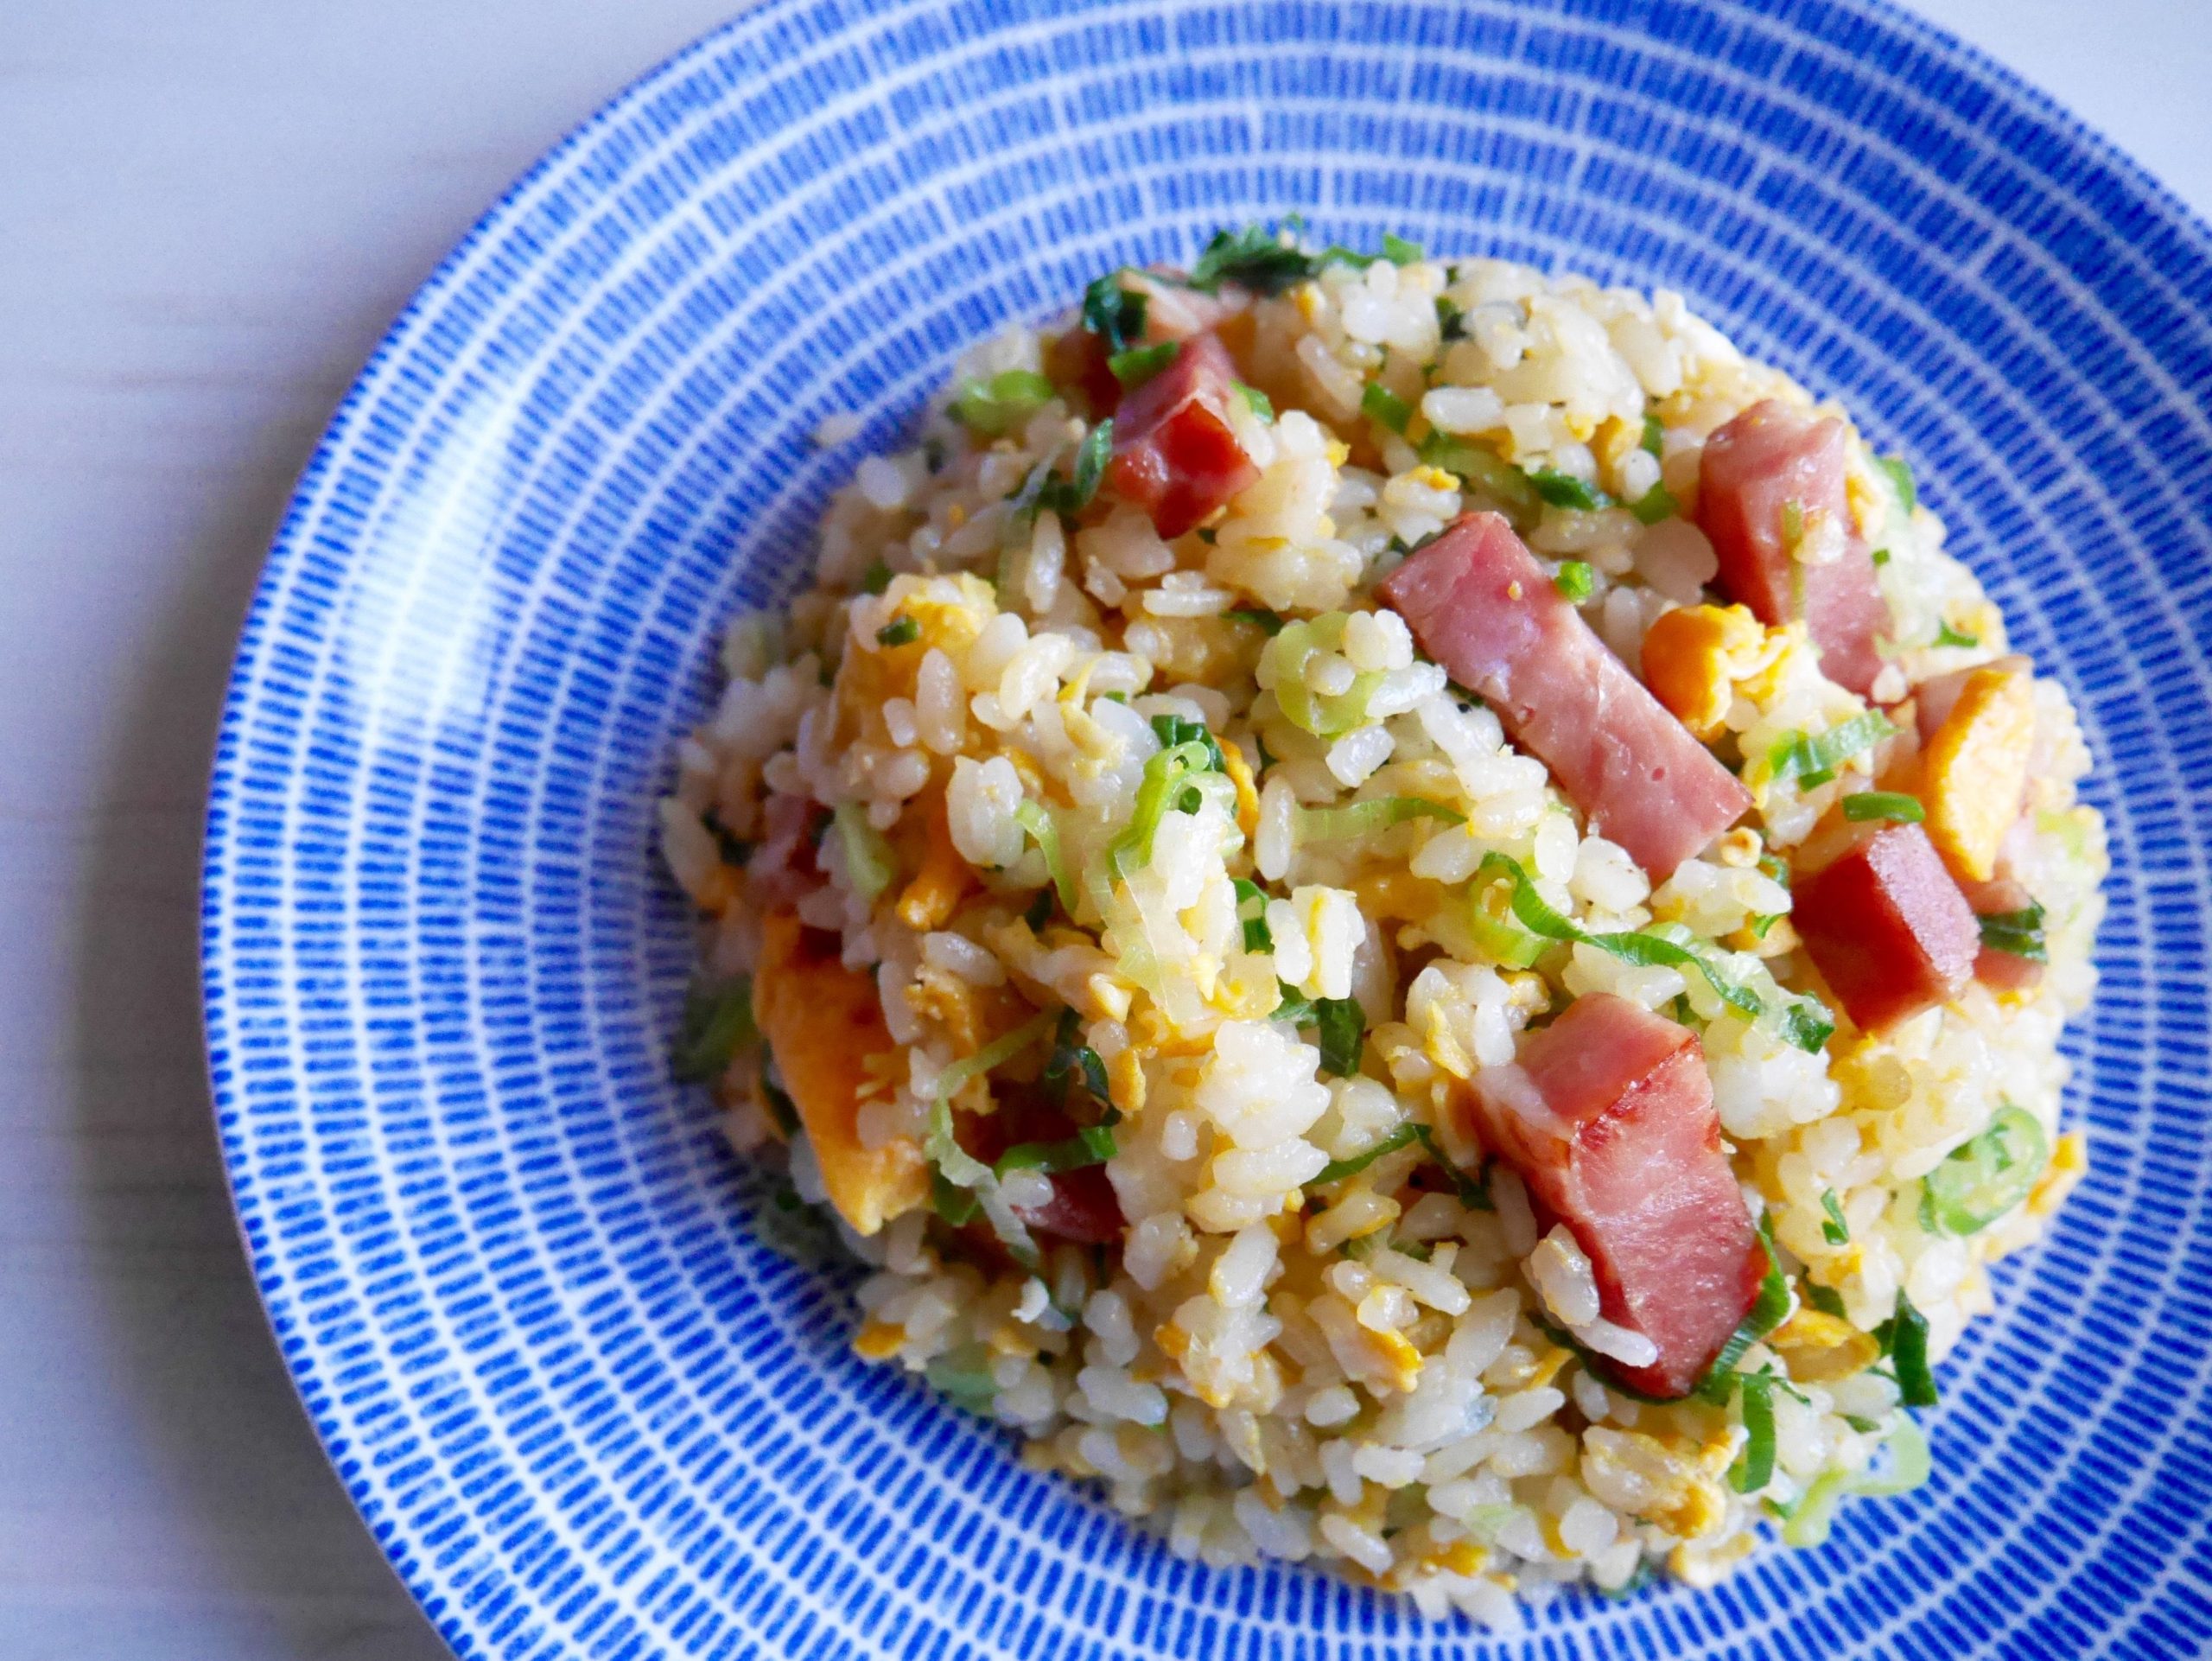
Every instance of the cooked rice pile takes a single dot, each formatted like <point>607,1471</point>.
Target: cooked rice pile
<point>1387,1371</point>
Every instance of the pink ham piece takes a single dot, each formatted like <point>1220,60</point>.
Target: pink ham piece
<point>1764,459</point>
<point>1608,1119</point>
<point>2002,972</point>
<point>1175,451</point>
<point>1885,925</point>
<point>1480,605</point>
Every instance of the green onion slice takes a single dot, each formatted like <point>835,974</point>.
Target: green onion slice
<point>717,1023</point>
<point>998,405</point>
<point>1378,402</point>
<point>1983,1179</point>
<point>1836,1230</point>
<point>1574,579</point>
<point>1356,819</point>
<point>1884,805</point>
<point>1565,490</point>
<point>1044,830</point>
<point>1341,1028</point>
<point>1139,364</point>
<point>1754,1466</point>
<point>2017,932</point>
<point>868,860</point>
<point>1252,912</point>
<point>1487,472</point>
<point>1285,658</point>
<point>1113,314</point>
<point>901,631</point>
<point>1815,760</point>
<point>1903,1338</point>
<point>1338,1169</point>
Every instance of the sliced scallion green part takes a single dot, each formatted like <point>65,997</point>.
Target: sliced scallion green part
<point>1340,1028</point>
<point>1267,622</point>
<point>717,1023</point>
<point>1113,314</point>
<point>900,631</point>
<point>1754,1466</point>
<point>1036,819</point>
<point>1258,402</point>
<point>876,578</point>
<point>1355,819</point>
<point>1253,259</point>
<point>999,404</point>
<point>1284,660</point>
<point>1835,1231</point>
<point>1903,1339</point>
<point>1655,504</point>
<point>1252,912</point>
<point>1379,403</point>
<point>869,862</point>
<point>1139,364</point>
<point>1891,805</point>
<point>1073,494</point>
<point>1574,579</point>
<point>1900,477</point>
<point>2019,934</point>
<point>1983,1179</point>
<point>1488,473</point>
<point>1565,490</point>
<point>1399,251</point>
<point>1092,1145</point>
<point>1654,436</point>
<point>1071,1059</point>
<point>964,1375</point>
<point>1768,1310</point>
<point>1338,1169</point>
<point>1816,759</point>
<point>1946,635</point>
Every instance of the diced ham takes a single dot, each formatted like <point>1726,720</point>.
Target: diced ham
<point>1480,605</point>
<point>784,870</point>
<point>1175,450</point>
<point>1077,362</point>
<point>1083,1207</point>
<point>1753,467</point>
<point>1884,923</point>
<point>1608,1119</point>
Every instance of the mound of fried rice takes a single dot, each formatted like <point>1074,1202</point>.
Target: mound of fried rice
<point>1388,1372</point>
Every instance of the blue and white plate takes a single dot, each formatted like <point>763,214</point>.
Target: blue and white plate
<point>584,1408</point>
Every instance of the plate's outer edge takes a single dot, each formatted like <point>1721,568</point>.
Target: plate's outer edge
<point>581,1422</point>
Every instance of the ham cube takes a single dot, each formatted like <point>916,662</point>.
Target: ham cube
<point>1175,450</point>
<point>2002,972</point>
<point>1481,606</point>
<point>1885,925</point>
<point>1608,1119</point>
<point>1770,480</point>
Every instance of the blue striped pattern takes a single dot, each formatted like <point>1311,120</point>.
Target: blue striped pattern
<point>580,1405</point>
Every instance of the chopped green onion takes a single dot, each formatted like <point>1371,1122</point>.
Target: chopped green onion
<point>1793,523</point>
<point>1565,490</point>
<point>1495,930</point>
<point>1267,622</point>
<point>1883,805</point>
<point>1284,660</point>
<point>964,1375</point>
<point>956,1204</point>
<point>1654,438</point>
<point>1293,1006</point>
<point>1903,1339</point>
<point>1836,1230</point>
<point>1044,830</point>
<point>1139,364</point>
<point>1764,923</point>
<point>1983,1179</point>
<point>1574,579</point>
<point>1252,912</point>
<point>717,1023</point>
<point>1040,909</point>
<point>876,578</point>
<point>1172,730</point>
<point>1473,1192</point>
<point>1803,1021</point>
<point>868,861</point>
<point>1754,1466</point>
<point>1769,1311</point>
<point>1451,321</point>
<point>999,404</point>
<point>1909,1462</point>
<point>1258,402</point>
<point>1900,477</point>
<point>1342,1027</point>
<point>1115,315</point>
<point>1166,775</point>
<point>1946,635</point>
<point>903,631</point>
<point>1655,504</point>
<point>1815,760</point>
<point>1399,251</point>
<point>1338,1169</point>
<point>1092,1145</point>
<point>1488,473</point>
<point>1880,557</point>
<point>1073,494</point>
<point>1355,819</point>
<point>998,1051</point>
<point>2018,934</point>
<point>1826,1298</point>
<point>1379,403</point>
<point>954,1163</point>
<point>1069,1060</point>
<point>1252,258</point>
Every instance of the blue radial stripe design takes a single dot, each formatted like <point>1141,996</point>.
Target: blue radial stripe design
<point>580,1403</point>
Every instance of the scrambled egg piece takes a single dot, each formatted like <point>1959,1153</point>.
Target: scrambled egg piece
<point>1695,657</point>
<point>1819,1347</point>
<point>1974,770</point>
<point>824,1023</point>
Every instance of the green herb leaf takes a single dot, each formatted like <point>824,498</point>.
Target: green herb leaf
<point>1072,495</point>
<point>1565,490</point>
<point>1655,504</point>
<point>1378,402</point>
<point>717,1023</point>
<point>876,578</point>
<point>1267,622</point>
<point>1900,477</point>
<point>1342,1027</point>
<point>1836,1230</point>
<point>1979,1180</point>
<point>1139,364</point>
<point>901,631</point>
<point>1399,251</point>
<point>1113,314</point>
<point>1890,804</point>
<point>1258,402</point>
<point>1764,922</point>
<point>1812,760</point>
<point>1946,635</point>
<point>1295,1007</point>
<point>1338,1169</point>
<point>1252,258</point>
<point>1356,819</point>
<point>1251,912</point>
<point>2019,933</point>
<point>999,404</point>
<point>1574,579</point>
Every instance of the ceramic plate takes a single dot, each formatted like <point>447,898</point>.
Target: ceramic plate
<point>583,1406</point>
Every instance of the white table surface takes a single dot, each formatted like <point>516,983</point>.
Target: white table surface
<point>208,211</point>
